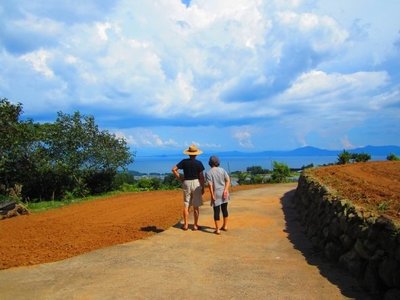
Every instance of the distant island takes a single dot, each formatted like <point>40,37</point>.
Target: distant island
<point>239,160</point>
<point>313,151</point>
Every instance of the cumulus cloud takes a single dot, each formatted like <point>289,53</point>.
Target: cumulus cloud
<point>38,60</point>
<point>243,137</point>
<point>142,137</point>
<point>297,65</point>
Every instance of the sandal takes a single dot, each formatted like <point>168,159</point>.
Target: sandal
<point>183,227</point>
<point>224,229</point>
<point>195,228</point>
<point>217,232</point>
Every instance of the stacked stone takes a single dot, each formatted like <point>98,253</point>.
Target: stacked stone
<point>12,209</point>
<point>367,245</point>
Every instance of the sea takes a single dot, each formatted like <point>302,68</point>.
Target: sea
<point>164,164</point>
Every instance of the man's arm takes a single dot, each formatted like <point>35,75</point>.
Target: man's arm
<point>175,171</point>
<point>201,179</point>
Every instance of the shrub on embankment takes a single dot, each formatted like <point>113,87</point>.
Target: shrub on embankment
<point>367,245</point>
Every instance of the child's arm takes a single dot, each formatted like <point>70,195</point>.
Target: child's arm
<point>211,189</point>
<point>227,186</point>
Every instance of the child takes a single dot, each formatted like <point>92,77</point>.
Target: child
<point>218,183</point>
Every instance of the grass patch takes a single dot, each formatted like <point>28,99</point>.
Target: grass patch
<point>41,206</point>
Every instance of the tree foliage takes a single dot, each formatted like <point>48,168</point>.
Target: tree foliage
<point>360,157</point>
<point>392,157</point>
<point>256,170</point>
<point>280,172</point>
<point>346,157</point>
<point>70,155</point>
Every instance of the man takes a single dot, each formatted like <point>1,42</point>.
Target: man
<point>192,184</point>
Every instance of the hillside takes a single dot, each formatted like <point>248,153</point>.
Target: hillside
<point>372,185</point>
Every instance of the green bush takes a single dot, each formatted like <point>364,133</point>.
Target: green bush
<point>170,182</point>
<point>255,170</point>
<point>360,157</point>
<point>344,157</point>
<point>392,157</point>
<point>126,187</point>
<point>49,159</point>
<point>257,179</point>
<point>280,172</point>
<point>121,178</point>
<point>242,178</point>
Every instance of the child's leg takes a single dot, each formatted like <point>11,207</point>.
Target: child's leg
<point>216,218</point>
<point>224,208</point>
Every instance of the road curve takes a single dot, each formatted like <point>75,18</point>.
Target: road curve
<point>263,255</point>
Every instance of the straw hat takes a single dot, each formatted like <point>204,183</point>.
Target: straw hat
<point>192,150</point>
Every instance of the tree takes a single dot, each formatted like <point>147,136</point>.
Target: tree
<point>71,155</point>
<point>280,172</point>
<point>17,140</point>
<point>360,157</point>
<point>257,179</point>
<point>254,170</point>
<point>9,141</point>
<point>392,157</point>
<point>242,178</point>
<point>89,157</point>
<point>307,166</point>
<point>170,181</point>
<point>344,157</point>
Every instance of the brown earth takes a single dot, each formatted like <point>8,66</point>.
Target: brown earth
<point>79,228</point>
<point>374,186</point>
<point>264,255</point>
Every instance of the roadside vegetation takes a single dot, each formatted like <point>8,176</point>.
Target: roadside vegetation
<point>346,157</point>
<point>46,165</point>
<point>257,175</point>
<point>66,159</point>
<point>393,157</point>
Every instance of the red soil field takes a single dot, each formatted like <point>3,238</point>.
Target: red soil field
<point>78,228</point>
<point>374,186</point>
<point>72,230</point>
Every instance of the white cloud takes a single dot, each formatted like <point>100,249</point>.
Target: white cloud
<point>36,25</point>
<point>346,143</point>
<point>38,60</point>
<point>300,65</point>
<point>243,137</point>
<point>322,32</point>
<point>318,83</point>
<point>142,137</point>
<point>102,30</point>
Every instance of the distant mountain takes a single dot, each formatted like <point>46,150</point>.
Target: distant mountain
<point>377,150</point>
<point>313,151</point>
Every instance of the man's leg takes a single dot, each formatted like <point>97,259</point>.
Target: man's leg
<point>185,217</point>
<point>197,202</point>
<point>196,212</point>
<point>186,204</point>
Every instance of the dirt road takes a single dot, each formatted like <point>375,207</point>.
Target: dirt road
<point>264,255</point>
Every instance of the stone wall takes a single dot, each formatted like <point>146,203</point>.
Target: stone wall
<point>368,246</point>
<point>12,209</point>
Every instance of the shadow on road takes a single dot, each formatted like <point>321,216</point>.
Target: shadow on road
<point>339,277</point>
<point>152,229</point>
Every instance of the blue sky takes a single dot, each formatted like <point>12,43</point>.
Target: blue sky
<point>245,75</point>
